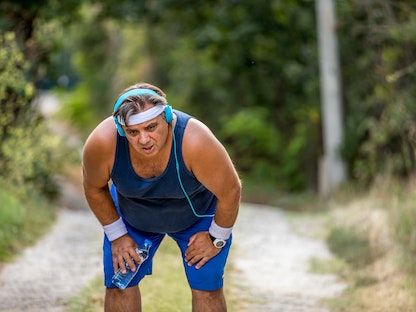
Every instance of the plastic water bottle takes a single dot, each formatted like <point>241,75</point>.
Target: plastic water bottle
<point>122,280</point>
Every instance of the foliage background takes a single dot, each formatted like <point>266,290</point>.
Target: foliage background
<point>249,70</point>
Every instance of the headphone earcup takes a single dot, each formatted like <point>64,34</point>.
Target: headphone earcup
<point>168,113</point>
<point>119,127</point>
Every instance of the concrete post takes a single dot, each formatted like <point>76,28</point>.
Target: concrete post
<point>332,170</point>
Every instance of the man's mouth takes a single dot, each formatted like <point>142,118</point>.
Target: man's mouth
<point>148,148</point>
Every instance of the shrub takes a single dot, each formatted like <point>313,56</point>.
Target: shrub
<point>30,157</point>
<point>21,221</point>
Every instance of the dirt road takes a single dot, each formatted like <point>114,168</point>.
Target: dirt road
<point>271,263</point>
<point>58,266</point>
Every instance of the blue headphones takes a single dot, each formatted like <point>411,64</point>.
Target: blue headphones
<point>120,100</point>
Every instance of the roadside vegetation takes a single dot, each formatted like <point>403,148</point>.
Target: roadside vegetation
<point>31,157</point>
<point>371,234</point>
<point>22,222</point>
<point>373,237</point>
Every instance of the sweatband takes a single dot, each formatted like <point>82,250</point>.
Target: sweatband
<point>115,230</point>
<point>218,231</point>
<point>143,116</point>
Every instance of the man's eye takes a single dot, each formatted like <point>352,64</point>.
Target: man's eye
<point>132,132</point>
<point>151,127</point>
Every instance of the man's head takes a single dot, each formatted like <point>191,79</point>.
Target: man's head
<point>132,106</point>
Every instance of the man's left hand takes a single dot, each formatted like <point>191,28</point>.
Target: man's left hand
<point>200,250</point>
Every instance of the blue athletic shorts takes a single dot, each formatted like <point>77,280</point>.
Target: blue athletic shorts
<point>209,277</point>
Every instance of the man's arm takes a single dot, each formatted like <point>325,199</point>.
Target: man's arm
<point>98,153</point>
<point>207,158</point>
<point>97,161</point>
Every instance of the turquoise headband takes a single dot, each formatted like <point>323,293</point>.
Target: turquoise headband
<point>125,95</point>
<point>167,109</point>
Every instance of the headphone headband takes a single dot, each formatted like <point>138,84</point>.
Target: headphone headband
<point>120,100</point>
<point>131,92</point>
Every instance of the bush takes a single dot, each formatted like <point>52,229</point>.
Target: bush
<point>262,152</point>
<point>77,111</point>
<point>346,243</point>
<point>11,219</point>
<point>15,91</point>
<point>21,222</point>
<point>30,157</point>
<point>380,107</point>
<point>252,138</point>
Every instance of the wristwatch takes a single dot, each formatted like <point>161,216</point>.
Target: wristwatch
<point>218,242</point>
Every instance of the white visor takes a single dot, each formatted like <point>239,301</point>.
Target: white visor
<point>143,116</point>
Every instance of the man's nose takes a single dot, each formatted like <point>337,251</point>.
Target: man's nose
<point>143,138</point>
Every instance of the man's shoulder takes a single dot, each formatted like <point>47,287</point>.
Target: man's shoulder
<point>104,135</point>
<point>197,134</point>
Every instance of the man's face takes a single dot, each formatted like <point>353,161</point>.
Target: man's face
<point>148,138</point>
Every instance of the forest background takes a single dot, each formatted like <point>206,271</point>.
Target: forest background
<point>248,69</point>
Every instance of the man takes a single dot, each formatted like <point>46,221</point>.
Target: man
<point>170,176</point>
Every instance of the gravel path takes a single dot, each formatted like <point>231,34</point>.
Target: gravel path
<point>270,260</point>
<point>58,266</point>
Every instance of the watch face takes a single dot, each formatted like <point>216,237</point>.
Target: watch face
<point>219,243</point>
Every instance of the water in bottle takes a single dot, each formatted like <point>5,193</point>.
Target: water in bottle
<point>122,280</point>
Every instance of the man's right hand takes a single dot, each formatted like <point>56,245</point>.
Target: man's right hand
<point>123,250</point>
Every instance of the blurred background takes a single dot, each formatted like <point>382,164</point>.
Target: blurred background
<point>248,69</point>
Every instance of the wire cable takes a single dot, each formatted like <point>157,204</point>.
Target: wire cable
<point>180,180</point>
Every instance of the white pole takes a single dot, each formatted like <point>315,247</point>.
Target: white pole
<point>332,169</point>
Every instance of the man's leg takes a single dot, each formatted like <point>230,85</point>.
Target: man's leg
<point>128,300</point>
<point>208,301</point>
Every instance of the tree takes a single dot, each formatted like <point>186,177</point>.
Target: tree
<point>378,53</point>
<point>228,57</point>
<point>25,47</point>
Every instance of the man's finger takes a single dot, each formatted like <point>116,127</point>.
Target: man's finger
<point>202,262</point>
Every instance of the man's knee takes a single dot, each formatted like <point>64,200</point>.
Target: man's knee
<point>208,300</point>
<point>122,300</point>
<point>207,293</point>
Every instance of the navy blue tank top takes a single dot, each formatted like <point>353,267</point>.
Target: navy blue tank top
<point>158,204</point>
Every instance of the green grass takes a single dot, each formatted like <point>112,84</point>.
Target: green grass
<point>404,229</point>
<point>21,223</point>
<point>347,244</point>
<point>165,290</point>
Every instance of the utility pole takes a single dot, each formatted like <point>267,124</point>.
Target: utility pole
<point>331,168</point>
